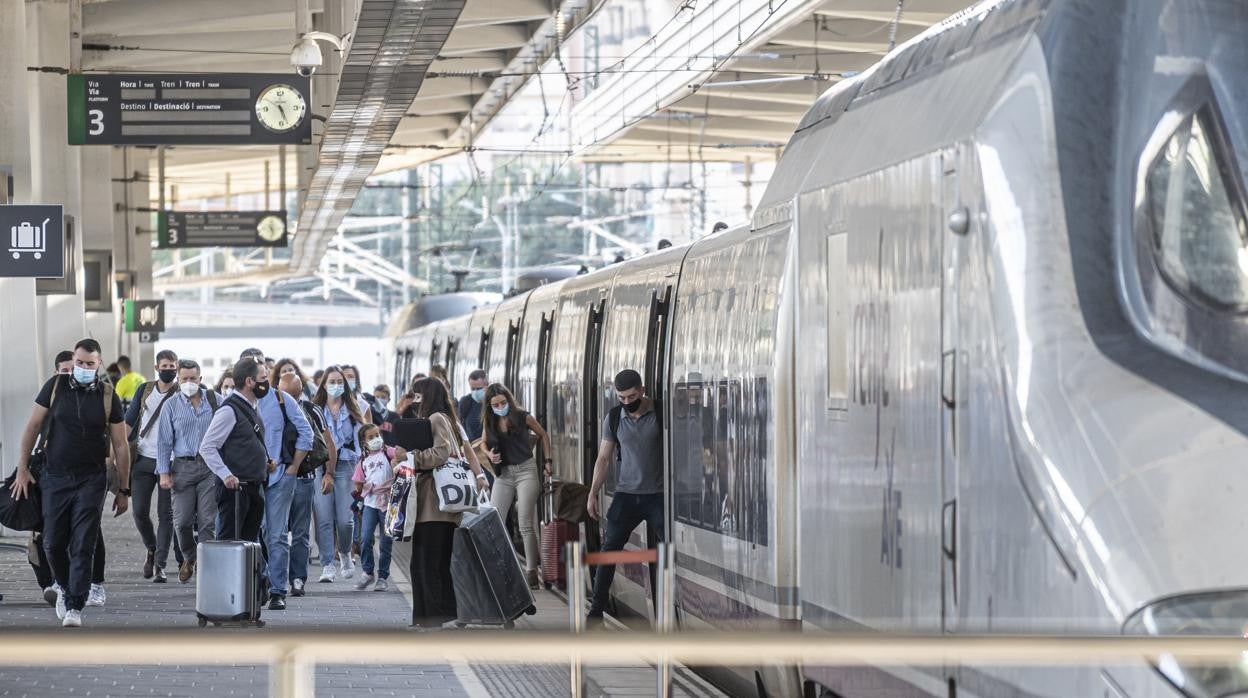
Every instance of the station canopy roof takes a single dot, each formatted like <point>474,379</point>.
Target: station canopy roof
<point>637,80</point>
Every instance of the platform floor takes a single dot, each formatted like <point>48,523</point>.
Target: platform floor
<point>136,603</point>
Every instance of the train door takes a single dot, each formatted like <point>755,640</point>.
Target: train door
<point>452,356</point>
<point>511,360</point>
<point>483,349</point>
<point>542,378</point>
<point>954,223</point>
<point>591,399</point>
<point>655,378</point>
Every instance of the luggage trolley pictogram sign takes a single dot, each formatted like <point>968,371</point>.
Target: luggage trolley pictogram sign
<point>25,238</point>
<point>35,241</point>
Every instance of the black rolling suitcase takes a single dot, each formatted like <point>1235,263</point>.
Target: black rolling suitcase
<point>490,588</point>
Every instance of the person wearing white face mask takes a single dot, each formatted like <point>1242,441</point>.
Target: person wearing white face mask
<point>225,386</point>
<point>374,474</point>
<point>194,488</point>
<point>519,483</point>
<point>333,509</point>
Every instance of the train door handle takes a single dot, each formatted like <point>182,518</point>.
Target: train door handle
<point>949,378</point>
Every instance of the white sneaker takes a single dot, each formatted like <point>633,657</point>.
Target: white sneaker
<point>73,619</point>
<point>348,570</point>
<point>382,585</point>
<point>97,595</point>
<point>50,594</point>
<point>327,574</point>
<point>365,580</point>
<point>60,603</point>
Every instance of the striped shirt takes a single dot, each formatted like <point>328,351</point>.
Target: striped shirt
<point>181,429</point>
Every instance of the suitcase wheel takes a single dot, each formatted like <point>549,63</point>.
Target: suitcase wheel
<point>203,622</point>
<point>259,624</point>
<point>216,624</point>
<point>531,611</point>
<point>509,625</point>
<point>459,624</point>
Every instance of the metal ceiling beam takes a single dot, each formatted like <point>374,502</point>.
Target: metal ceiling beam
<point>162,17</point>
<point>394,43</point>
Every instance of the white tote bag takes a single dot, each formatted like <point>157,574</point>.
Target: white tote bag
<point>455,485</point>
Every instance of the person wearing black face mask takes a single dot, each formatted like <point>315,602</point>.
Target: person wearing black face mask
<point>234,449</point>
<point>632,438</point>
<point>142,418</point>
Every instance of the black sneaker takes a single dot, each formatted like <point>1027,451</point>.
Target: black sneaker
<point>158,576</point>
<point>277,602</point>
<point>595,621</point>
<point>147,564</point>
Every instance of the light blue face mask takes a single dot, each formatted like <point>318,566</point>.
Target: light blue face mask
<point>502,411</point>
<point>85,376</point>
<point>479,394</point>
<point>335,389</point>
<point>351,383</point>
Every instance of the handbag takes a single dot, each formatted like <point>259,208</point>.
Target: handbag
<point>396,505</point>
<point>25,514</point>
<point>455,486</point>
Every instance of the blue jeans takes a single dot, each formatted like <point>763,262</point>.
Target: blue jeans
<point>626,512</point>
<point>277,500</point>
<point>374,519</point>
<point>300,522</point>
<point>333,514</point>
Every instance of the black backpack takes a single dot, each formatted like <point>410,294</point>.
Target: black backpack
<point>319,453</point>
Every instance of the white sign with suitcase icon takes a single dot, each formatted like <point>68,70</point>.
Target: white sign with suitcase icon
<point>25,238</point>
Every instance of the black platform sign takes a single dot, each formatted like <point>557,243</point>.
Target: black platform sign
<point>207,109</point>
<point>221,229</point>
<point>34,241</point>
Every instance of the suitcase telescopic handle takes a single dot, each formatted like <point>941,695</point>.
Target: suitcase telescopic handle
<point>238,512</point>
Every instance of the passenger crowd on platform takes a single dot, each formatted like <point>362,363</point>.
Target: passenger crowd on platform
<point>294,458</point>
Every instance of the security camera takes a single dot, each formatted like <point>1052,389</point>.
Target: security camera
<point>305,56</point>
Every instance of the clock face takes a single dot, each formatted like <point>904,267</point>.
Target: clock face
<point>271,228</point>
<point>280,108</point>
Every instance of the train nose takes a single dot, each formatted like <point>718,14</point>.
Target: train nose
<point>1172,529</point>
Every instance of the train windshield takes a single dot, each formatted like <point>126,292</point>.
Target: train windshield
<point>1200,233</point>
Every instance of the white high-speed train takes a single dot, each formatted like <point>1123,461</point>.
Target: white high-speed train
<point>976,366</point>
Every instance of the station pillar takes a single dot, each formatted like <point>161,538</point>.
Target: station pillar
<point>20,345</point>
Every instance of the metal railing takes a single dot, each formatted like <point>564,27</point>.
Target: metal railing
<point>664,558</point>
<point>293,656</point>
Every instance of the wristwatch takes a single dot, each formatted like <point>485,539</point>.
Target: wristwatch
<point>123,492</point>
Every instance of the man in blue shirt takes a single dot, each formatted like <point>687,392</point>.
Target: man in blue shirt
<point>278,417</point>
<point>181,427</point>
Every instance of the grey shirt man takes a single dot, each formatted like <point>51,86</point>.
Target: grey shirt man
<point>640,444</point>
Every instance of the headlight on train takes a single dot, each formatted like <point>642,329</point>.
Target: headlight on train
<point>1216,613</point>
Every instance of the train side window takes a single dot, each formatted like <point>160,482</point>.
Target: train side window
<point>837,322</point>
<point>435,354</point>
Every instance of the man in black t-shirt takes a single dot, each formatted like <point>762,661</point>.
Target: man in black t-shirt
<point>85,417</point>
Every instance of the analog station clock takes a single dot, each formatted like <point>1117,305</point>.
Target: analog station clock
<point>271,228</point>
<point>280,108</point>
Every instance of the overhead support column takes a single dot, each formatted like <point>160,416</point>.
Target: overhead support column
<point>21,348</point>
<point>55,167</point>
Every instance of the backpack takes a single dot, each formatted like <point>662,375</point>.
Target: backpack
<point>290,433</point>
<point>614,417</point>
<point>318,455</point>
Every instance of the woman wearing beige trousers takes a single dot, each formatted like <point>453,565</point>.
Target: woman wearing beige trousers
<point>507,434</point>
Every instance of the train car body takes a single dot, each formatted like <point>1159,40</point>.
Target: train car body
<point>975,367</point>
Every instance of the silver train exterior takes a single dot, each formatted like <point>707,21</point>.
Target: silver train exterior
<point>972,368</point>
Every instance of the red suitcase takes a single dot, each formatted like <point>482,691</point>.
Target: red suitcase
<point>555,533</point>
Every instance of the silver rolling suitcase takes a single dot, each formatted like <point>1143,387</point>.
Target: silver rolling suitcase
<point>230,582</point>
